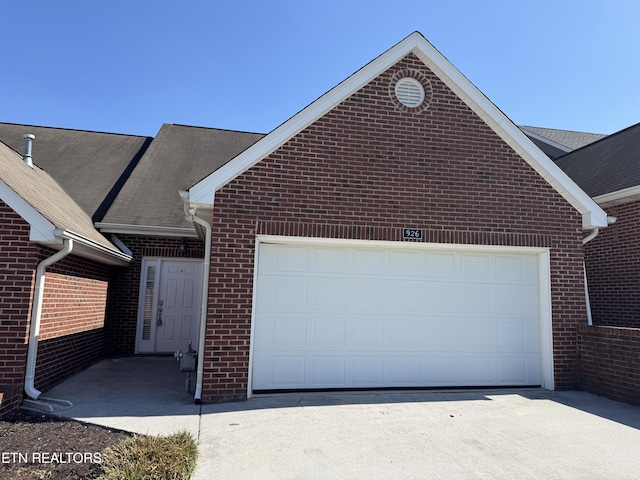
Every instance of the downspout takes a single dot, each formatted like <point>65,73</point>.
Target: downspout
<point>593,234</point>
<point>205,298</point>
<point>585,240</point>
<point>36,315</point>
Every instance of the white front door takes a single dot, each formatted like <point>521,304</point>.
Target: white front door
<point>169,314</point>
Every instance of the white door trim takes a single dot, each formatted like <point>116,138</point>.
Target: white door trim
<point>546,334</point>
<point>148,345</point>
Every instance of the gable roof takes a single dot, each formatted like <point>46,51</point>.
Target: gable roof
<point>36,196</point>
<point>202,193</point>
<point>178,156</point>
<point>79,158</point>
<point>609,169</point>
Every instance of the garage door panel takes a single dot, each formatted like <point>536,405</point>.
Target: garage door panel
<point>476,266</point>
<point>365,294</point>
<point>367,262</point>
<point>517,300</point>
<point>330,260</point>
<point>477,336</point>
<point>403,370</point>
<point>327,332</point>
<point>441,265</point>
<point>328,293</point>
<point>517,268</point>
<point>442,298</point>
<point>327,371</point>
<point>408,264</point>
<point>403,296</point>
<point>367,371</point>
<point>476,299</point>
<point>367,333</point>
<point>378,317</point>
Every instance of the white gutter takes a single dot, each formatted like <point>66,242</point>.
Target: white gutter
<point>190,212</point>
<point>36,315</point>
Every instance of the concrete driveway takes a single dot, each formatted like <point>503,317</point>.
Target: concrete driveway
<point>472,434</point>
<point>516,434</point>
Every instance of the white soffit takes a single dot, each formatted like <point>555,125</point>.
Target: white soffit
<point>592,215</point>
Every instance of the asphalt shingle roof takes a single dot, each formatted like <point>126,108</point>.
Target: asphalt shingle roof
<point>608,165</point>
<point>178,157</point>
<point>47,197</point>
<point>88,165</point>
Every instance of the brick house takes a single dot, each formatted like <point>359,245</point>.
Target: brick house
<point>400,231</point>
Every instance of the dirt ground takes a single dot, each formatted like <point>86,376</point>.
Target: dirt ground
<point>42,447</point>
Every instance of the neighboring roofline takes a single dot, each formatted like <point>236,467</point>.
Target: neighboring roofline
<point>73,129</point>
<point>620,197</point>
<point>546,140</point>
<point>44,232</point>
<point>592,215</point>
<point>146,230</point>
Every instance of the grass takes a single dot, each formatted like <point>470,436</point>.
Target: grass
<point>171,457</point>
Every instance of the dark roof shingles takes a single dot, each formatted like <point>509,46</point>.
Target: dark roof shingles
<point>178,157</point>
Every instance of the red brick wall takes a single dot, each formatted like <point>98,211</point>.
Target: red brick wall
<point>367,169</point>
<point>18,260</point>
<point>73,311</point>
<point>124,289</point>
<point>613,269</point>
<point>610,362</point>
<point>72,333</point>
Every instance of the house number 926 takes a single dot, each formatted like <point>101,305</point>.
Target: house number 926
<point>411,233</point>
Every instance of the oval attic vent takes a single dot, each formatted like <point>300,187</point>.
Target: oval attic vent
<point>410,92</point>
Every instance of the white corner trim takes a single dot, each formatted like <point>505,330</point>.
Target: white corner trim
<point>593,216</point>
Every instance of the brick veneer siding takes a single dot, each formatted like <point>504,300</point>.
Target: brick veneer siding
<point>613,269</point>
<point>365,170</point>
<point>610,361</point>
<point>18,261</point>
<point>73,311</point>
<point>124,290</point>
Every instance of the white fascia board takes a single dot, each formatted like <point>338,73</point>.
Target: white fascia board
<point>592,215</point>
<point>149,230</point>
<point>97,251</point>
<point>42,230</point>
<point>626,195</point>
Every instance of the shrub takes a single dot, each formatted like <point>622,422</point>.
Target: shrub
<point>140,457</point>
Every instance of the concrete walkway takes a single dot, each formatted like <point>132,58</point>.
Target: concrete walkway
<point>494,434</point>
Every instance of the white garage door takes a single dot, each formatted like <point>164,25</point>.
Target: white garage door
<point>357,317</point>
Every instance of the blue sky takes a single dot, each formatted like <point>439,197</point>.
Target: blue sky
<point>130,66</point>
